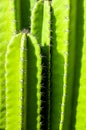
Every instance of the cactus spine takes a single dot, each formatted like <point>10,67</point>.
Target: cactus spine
<point>81,103</point>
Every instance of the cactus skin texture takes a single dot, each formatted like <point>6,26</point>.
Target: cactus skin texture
<point>67,123</point>
<point>14,82</point>
<point>81,103</point>
<point>79,92</point>
<point>34,72</point>
<point>39,18</point>
<point>23,95</point>
<point>7,29</point>
<point>59,61</point>
<point>43,66</point>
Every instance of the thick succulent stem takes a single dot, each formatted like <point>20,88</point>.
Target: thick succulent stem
<point>7,29</point>
<point>71,64</point>
<point>34,71</point>
<point>59,61</point>
<point>23,10</point>
<point>14,82</point>
<point>79,90</point>
<point>40,28</point>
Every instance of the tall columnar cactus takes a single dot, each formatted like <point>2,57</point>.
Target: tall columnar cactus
<point>71,64</point>
<point>42,68</point>
<point>34,72</point>
<point>39,18</point>
<point>14,64</point>
<point>59,61</point>
<point>7,29</point>
<point>79,98</point>
<point>20,90</point>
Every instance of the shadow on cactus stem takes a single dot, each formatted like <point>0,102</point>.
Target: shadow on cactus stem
<point>45,112</point>
<point>78,57</point>
<point>31,122</point>
<point>25,14</point>
<point>56,78</point>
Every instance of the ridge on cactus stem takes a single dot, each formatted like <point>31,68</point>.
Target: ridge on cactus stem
<point>59,61</point>
<point>23,102</point>
<point>7,29</point>
<point>14,67</point>
<point>40,28</point>
<point>34,72</point>
<point>71,66</point>
<point>79,91</point>
<point>42,64</point>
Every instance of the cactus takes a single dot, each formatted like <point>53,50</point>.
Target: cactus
<point>7,29</point>
<point>39,18</point>
<point>78,104</point>
<point>17,112</point>
<point>59,61</point>
<point>42,64</point>
<point>71,64</point>
<point>14,64</point>
<point>34,71</point>
<point>81,54</point>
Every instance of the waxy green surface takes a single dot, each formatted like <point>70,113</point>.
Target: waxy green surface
<point>59,62</point>
<point>34,72</point>
<point>40,28</point>
<point>7,29</point>
<point>14,82</point>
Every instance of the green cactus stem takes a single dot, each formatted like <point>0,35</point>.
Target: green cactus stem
<point>79,90</point>
<point>23,10</point>
<point>71,64</point>
<point>14,82</point>
<point>34,72</point>
<point>7,29</point>
<point>40,28</point>
<point>81,103</point>
<point>59,61</point>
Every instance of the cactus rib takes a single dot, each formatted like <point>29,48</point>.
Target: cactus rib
<point>79,96</point>
<point>34,72</point>
<point>39,18</point>
<point>59,61</point>
<point>14,82</point>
